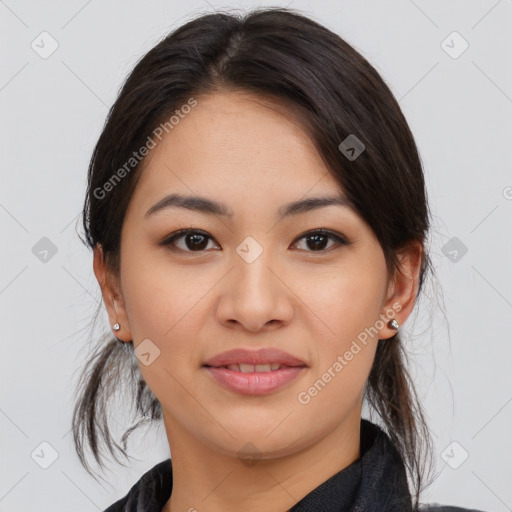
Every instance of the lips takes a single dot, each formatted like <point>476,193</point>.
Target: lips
<point>249,361</point>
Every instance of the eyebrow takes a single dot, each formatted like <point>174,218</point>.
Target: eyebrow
<point>211,207</point>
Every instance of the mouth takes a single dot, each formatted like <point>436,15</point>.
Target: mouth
<point>254,372</point>
<point>255,368</point>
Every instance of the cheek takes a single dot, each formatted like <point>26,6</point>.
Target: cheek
<point>165,304</point>
<point>345,301</point>
<point>162,304</point>
<point>342,362</point>
<point>159,297</point>
<point>348,306</point>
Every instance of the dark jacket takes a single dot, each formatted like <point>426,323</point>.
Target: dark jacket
<point>376,482</point>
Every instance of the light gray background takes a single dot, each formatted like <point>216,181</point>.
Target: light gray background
<point>52,111</point>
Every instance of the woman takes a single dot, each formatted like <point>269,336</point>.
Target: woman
<point>257,210</point>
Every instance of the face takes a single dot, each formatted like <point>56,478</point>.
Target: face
<point>251,279</point>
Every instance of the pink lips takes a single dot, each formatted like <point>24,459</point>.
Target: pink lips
<point>261,356</point>
<point>256,382</point>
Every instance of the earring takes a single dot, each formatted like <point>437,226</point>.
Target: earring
<point>393,324</point>
<point>116,327</point>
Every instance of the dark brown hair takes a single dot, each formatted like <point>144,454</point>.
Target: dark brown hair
<point>333,91</point>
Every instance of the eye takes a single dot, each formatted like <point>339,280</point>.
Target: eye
<point>317,239</point>
<point>194,240</point>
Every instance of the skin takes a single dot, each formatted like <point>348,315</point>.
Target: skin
<point>192,305</point>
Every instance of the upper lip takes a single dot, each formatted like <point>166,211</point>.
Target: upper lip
<point>261,356</point>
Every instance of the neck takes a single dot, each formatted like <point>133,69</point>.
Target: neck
<point>210,481</point>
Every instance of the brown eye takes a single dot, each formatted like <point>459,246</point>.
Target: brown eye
<point>316,241</point>
<point>193,240</point>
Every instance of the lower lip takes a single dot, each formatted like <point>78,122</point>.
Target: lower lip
<point>255,383</point>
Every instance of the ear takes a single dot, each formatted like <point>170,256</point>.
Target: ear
<point>112,296</point>
<point>402,289</point>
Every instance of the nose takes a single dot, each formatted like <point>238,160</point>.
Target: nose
<point>253,297</point>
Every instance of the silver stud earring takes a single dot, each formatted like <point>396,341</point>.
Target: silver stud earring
<point>116,327</point>
<point>393,324</point>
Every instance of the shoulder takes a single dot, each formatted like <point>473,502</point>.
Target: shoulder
<point>435,507</point>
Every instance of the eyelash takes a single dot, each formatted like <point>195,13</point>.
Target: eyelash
<point>171,239</point>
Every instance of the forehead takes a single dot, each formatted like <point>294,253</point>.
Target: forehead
<point>236,143</point>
